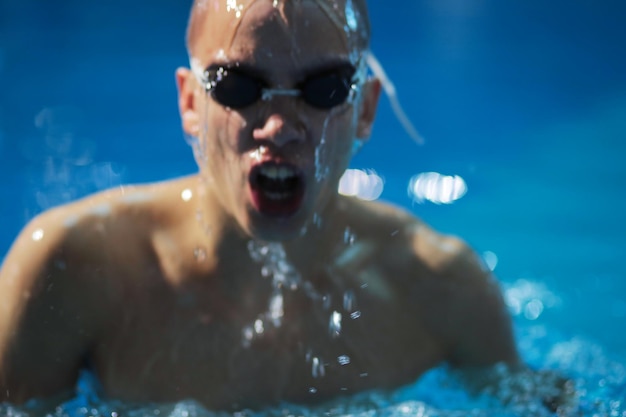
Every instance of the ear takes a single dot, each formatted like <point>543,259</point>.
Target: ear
<point>187,104</point>
<point>369,103</point>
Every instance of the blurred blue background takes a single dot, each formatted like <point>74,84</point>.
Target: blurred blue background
<point>524,99</point>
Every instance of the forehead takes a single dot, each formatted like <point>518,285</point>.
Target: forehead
<point>269,33</point>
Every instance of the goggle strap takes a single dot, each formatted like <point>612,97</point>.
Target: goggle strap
<point>390,91</point>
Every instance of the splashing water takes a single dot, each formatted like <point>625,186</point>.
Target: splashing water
<point>232,6</point>
<point>284,276</point>
<point>599,379</point>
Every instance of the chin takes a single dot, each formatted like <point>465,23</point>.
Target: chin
<point>276,229</point>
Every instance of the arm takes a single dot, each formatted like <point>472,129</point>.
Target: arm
<point>476,328</point>
<point>461,302</point>
<point>43,332</point>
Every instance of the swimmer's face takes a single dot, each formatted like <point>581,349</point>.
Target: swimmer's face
<point>274,163</point>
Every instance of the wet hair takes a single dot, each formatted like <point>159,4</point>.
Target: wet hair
<point>199,11</point>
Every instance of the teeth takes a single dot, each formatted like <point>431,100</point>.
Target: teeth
<point>278,172</point>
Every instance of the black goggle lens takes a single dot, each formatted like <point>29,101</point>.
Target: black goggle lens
<point>237,90</point>
<point>326,91</point>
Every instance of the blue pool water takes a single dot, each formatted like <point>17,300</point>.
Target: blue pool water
<point>523,99</point>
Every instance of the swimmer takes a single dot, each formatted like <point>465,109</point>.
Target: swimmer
<point>252,282</point>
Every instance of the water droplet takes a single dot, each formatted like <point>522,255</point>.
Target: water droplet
<point>248,335</point>
<point>200,254</point>
<point>334,325</point>
<point>343,360</point>
<point>317,368</point>
<point>266,271</point>
<point>186,194</point>
<point>59,264</point>
<point>491,260</point>
<point>317,220</point>
<point>349,301</point>
<point>276,308</point>
<point>37,235</point>
<point>312,390</point>
<point>258,326</point>
<point>348,236</point>
<point>326,301</point>
<point>355,315</point>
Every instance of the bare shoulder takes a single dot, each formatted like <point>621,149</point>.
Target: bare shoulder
<point>56,283</point>
<point>397,229</point>
<point>446,256</point>
<point>83,233</point>
<point>456,297</point>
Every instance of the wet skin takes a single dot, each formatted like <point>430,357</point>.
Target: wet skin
<point>155,284</point>
<point>161,323</point>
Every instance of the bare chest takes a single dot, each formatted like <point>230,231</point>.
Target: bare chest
<point>267,345</point>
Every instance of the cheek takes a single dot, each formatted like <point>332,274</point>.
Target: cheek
<point>222,136</point>
<point>334,145</point>
<point>230,130</point>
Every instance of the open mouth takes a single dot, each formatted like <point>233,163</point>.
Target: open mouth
<point>277,188</point>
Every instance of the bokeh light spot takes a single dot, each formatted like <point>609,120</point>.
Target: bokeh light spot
<point>365,185</point>
<point>436,188</point>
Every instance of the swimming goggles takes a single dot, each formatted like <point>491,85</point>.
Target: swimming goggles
<point>237,89</point>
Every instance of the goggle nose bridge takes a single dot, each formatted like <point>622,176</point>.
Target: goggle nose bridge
<point>268,93</point>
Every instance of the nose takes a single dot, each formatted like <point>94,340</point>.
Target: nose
<point>279,130</point>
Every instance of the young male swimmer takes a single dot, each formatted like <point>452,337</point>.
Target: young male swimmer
<point>252,282</point>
